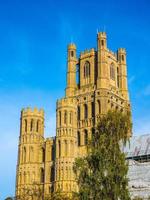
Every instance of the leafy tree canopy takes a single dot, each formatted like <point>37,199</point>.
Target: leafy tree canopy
<point>102,174</point>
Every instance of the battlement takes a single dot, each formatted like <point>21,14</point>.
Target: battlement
<point>122,50</point>
<point>101,35</point>
<point>66,102</point>
<point>114,54</point>
<point>87,52</point>
<point>50,140</point>
<point>29,111</point>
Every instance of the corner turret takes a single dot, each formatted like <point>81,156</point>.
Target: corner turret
<point>71,71</point>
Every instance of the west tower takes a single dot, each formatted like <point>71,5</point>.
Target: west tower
<point>101,86</point>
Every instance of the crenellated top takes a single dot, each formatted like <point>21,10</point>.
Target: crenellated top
<point>30,112</point>
<point>113,54</point>
<point>66,102</point>
<point>122,50</point>
<point>50,140</point>
<point>87,53</point>
<point>102,34</point>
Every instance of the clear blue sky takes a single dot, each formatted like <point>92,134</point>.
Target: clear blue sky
<point>33,38</point>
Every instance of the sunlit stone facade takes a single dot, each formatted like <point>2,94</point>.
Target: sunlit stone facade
<point>96,83</point>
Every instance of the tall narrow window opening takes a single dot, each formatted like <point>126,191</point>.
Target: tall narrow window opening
<point>78,113</point>
<point>24,154</point>
<point>59,118</point>
<point>43,155</point>
<point>99,106</point>
<point>86,69</point>
<point>37,126</point>
<point>65,117</point>
<point>93,109</point>
<point>42,175</point>
<point>118,77</point>
<point>85,137</point>
<point>59,149</point>
<point>112,72</point>
<point>85,111</point>
<point>65,148</point>
<point>31,126</point>
<point>70,117</point>
<point>25,124</point>
<point>78,138</point>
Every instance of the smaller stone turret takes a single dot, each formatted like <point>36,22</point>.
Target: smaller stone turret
<point>123,72</point>
<point>102,68</point>
<point>31,156</point>
<point>71,72</point>
<point>66,145</point>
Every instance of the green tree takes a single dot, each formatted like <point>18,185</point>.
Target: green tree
<point>102,174</point>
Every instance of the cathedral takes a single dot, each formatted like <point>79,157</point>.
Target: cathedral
<point>96,83</point>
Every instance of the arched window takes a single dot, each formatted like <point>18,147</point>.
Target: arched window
<point>78,113</point>
<point>59,149</point>
<point>70,118</point>
<point>93,133</point>
<point>53,153</point>
<point>122,57</point>
<point>102,42</point>
<point>85,137</point>
<point>52,174</point>
<point>24,177</point>
<point>118,77</point>
<point>59,118</point>
<point>42,175</point>
<point>25,125</point>
<point>112,72</point>
<point>43,155</point>
<point>24,154</point>
<point>72,53</point>
<point>78,138</point>
<point>99,106</point>
<point>33,176</point>
<point>37,126</point>
<point>93,109</point>
<point>86,69</point>
<point>65,117</point>
<point>72,148</point>
<point>85,111</point>
<point>31,125</point>
<point>31,154</point>
<point>65,148</point>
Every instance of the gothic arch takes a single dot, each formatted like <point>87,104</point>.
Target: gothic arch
<point>99,106</point>
<point>86,69</point>
<point>112,71</point>
<point>85,137</point>
<point>25,125</point>
<point>65,117</point>
<point>85,111</point>
<point>79,138</point>
<point>31,125</point>
<point>78,113</point>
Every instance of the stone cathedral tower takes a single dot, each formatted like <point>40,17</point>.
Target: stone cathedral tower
<point>96,83</point>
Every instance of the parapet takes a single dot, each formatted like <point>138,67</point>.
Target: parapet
<point>30,112</point>
<point>66,102</point>
<point>50,140</point>
<point>122,50</point>
<point>102,35</point>
<point>87,52</point>
<point>112,53</point>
